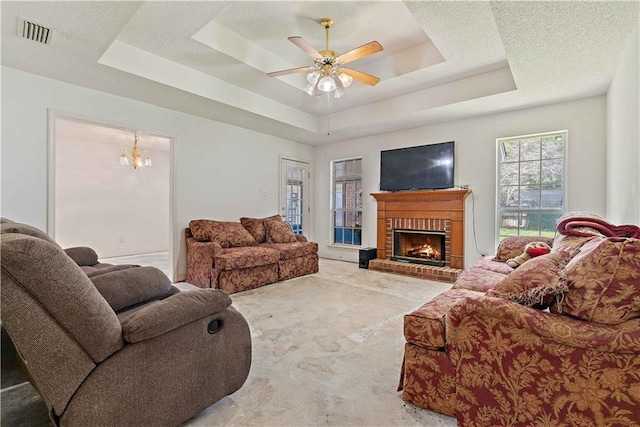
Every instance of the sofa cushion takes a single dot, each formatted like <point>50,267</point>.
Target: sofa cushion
<point>536,282</point>
<point>125,289</point>
<point>604,281</point>
<point>245,257</point>
<point>255,227</point>
<point>489,264</point>
<point>100,268</point>
<point>226,234</point>
<point>279,231</point>
<point>511,247</point>
<point>293,250</point>
<point>478,279</point>
<point>425,326</point>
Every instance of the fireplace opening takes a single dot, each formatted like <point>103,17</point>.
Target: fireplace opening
<point>419,246</point>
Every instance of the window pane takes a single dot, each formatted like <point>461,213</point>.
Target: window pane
<point>530,173</point>
<point>552,173</point>
<point>530,148</point>
<point>509,151</point>
<point>552,198</point>
<point>530,223</point>
<point>337,235</point>
<point>509,197</point>
<point>548,224</point>
<point>508,224</point>
<point>509,174</point>
<point>338,219</point>
<point>553,147</point>
<point>530,197</point>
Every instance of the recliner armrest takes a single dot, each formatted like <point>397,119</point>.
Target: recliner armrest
<point>172,313</point>
<point>82,255</point>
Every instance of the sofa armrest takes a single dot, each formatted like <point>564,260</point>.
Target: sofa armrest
<point>200,261</point>
<point>535,325</point>
<point>82,255</point>
<point>172,313</point>
<point>301,238</point>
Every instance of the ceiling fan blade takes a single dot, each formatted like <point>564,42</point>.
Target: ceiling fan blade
<point>289,71</point>
<point>362,77</point>
<point>306,47</point>
<point>360,52</point>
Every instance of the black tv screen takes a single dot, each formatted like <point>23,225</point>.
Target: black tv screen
<point>417,168</point>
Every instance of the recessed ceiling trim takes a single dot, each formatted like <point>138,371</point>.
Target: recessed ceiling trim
<point>131,59</point>
<point>232,44</point>
<point>478,86</point>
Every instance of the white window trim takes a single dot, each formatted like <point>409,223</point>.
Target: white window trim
<point>565,191</point>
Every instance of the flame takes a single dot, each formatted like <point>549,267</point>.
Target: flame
<point>424,251</point>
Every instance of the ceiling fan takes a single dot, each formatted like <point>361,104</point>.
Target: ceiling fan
<point>328,74</point>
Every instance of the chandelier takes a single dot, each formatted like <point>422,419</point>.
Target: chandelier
<point>135,153</point>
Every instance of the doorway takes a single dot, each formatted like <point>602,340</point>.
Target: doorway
<point>98,200</point>
<point>295,197</point>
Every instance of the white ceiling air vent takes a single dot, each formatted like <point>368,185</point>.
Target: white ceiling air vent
<point>32,31</point>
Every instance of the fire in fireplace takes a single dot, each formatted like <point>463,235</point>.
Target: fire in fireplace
<point>419,246</point>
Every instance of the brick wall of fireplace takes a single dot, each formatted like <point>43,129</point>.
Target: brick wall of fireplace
<point>441,210</point>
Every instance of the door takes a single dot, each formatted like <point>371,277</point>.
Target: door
<point>294,194</point>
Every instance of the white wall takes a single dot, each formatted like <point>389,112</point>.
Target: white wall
<point>475,164</point>
<point>219,168</point>
<point>114,209</point>
<point>623,137</point>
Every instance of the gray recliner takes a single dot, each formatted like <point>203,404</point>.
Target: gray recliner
<point>156,363</point>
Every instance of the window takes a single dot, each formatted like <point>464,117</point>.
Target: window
<point>530,184</point>
<point>346,201</point>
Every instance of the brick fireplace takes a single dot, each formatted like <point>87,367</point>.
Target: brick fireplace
<point>439,213</point>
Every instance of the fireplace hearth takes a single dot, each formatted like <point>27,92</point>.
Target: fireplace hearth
<point>419,246</point>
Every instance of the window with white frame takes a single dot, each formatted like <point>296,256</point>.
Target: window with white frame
<point>531,184</point>
<point>346,201</point>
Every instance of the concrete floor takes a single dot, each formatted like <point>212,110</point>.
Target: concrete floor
<point>327,350</point>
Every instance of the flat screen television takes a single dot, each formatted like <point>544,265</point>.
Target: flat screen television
<point>417,168</point>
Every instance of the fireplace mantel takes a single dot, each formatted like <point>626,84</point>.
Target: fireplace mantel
<point>436,205</point>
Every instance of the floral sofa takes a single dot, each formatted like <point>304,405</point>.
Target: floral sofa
<point>238,256</point>
<point>554,342</point>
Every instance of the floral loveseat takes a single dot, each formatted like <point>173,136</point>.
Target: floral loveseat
<point>238,256</point>
<point>554,342</point>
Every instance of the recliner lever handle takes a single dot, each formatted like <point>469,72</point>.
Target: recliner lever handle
<point>215,326</point>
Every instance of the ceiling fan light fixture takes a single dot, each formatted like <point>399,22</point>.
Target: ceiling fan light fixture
<point>327,84</point>
<point>338,92</point>
<point>310,89</point>
<point>313,77</point>
<point>345,78</point>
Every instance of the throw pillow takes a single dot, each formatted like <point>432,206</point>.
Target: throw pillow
<point>511,247</point>
<point>279,231</point>
<point>255,227</point>
<point>604,281</point>
<point>536,282</point>
<point>226,234</point>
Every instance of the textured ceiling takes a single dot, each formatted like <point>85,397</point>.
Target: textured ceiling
<point>441,61</point>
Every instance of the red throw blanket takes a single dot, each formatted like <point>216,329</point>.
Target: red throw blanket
<point>569,226</point>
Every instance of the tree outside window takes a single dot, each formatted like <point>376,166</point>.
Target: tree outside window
<point>531,184</point>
